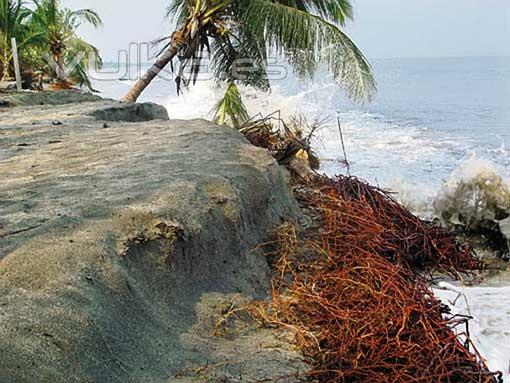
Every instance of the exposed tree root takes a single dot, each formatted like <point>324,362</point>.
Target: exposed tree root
<point>356,293</point>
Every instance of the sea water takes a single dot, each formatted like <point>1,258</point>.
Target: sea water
<point>430,118</point>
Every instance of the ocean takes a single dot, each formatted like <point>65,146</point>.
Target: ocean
<point>433,120</point>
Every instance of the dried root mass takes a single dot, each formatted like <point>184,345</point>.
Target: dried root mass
<point>356,292</point>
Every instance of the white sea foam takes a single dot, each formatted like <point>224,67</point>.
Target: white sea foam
<point>195,102</point>
<point>490,327</point>
<point>489,305</point>
<point>198,101</point>
<point>472,168</point>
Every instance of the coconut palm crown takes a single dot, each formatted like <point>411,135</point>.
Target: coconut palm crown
<point>307,32</point>
<point>61,45</point>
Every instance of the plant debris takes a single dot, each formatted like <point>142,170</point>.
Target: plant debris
<point>286,141</point>
<point>356,291</point>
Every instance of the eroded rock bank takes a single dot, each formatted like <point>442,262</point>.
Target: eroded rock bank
<point>124,244</point>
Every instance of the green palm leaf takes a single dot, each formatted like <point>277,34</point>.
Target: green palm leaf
<point>307,40</point>
<point>88,16</point>
<point>58,26</point>
<point>230,108</point>
<point>337,11</point>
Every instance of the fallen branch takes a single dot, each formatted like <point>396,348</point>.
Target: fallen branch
<point>346,161</point>
<point>9,234</point>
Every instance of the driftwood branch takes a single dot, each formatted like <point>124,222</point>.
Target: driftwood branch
<point>347,164</point>
<point>11,233</point>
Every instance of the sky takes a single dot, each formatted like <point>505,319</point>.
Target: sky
<point>382,28</point>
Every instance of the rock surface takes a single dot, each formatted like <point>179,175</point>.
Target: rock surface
<point>129,242</point>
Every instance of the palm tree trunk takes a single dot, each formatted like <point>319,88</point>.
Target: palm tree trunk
<point>151,74</point>
<point>59,68</point>
<point>6,75</point>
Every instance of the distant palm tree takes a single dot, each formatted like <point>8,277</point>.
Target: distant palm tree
<point>61,43</point>
<point>14,23</point>
<point>306,32</point>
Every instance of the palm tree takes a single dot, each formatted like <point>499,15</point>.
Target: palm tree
<point>14,23</point>
<point>61,44</point>
<point>306,32</point>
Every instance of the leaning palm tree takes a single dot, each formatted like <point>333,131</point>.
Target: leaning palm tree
<point>61,45</point>
<point>14,23</point>
<point>306,32</point>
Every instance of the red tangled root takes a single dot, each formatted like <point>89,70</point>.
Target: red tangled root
<point>356,295</point>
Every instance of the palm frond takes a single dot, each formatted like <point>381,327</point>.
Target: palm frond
<point>241,59</point>
<point>92,58</point>
<point>178,11</point>
<point>56,27</point>
<point>308,40</point>
<point>336,11</point>
<point>231,108</point>
<point>88,16</point>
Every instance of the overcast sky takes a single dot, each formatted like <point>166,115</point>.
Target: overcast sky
<point>382,28</point>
